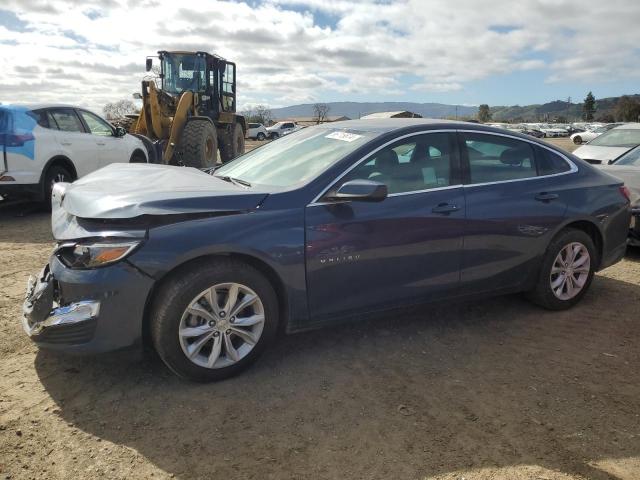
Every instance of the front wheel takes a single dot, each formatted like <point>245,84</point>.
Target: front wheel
<point>211,322</point>
<point>274,136</point>
<point>567,271</point>
<point>577,140</point>
<point>261,136</point>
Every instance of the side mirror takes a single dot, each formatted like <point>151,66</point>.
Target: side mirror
<point>120,132</point>
<point>149,64</point>
<point>361,190</point>
<point>137,96</point>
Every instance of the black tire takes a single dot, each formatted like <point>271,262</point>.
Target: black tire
<point>234,146</point>
<point>175,295</point>
<point>54,174</point>
<point>274,135</point>
<point>138,157</point>
<point>261,136</point>
<point>577,140</point>
<point>543,294</point>
<point>198,146</point>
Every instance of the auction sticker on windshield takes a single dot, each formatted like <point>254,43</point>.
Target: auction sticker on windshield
<point>344,136</point>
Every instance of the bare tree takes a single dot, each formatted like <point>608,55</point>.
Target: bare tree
<point>262,114</point>
<point>320,112</point>
<point>119,109</point>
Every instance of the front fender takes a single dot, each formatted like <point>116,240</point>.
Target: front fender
<point>275,238</point>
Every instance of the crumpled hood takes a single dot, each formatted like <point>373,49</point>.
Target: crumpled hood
<point>596,152</point>
<point>123,190</point>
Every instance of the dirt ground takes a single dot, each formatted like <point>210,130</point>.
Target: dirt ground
<point>482,390</point>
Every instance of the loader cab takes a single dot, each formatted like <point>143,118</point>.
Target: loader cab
<point>213,77</point>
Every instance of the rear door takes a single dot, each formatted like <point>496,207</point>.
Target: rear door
<point>110,149</point>
<point>362,256</point>
<point>76,144</point>
<point>515,199</point>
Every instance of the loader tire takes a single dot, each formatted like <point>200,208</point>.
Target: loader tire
<point>235,144</point>
<point>198,145</point>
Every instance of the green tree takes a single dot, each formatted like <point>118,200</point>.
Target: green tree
<point>484,113</point>
<point>589,107</point>
<point>627,109</point>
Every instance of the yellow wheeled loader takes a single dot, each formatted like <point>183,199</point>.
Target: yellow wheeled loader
<point>191,114</point>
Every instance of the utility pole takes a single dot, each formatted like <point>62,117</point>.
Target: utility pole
<point>568,108</point>
<point>456,112</point>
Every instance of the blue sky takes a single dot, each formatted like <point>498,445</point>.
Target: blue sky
<point>300,51</point>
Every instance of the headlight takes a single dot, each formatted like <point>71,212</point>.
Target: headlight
<point>93,255</point>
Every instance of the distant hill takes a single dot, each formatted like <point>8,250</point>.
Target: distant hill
<point>355,110</point>
<point>515,113</point>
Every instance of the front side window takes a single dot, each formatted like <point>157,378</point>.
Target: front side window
<point>496,159</point>
<point>183,72</point>
<point>297,158</point>
<point>96,125</point>
<point>67,120</point>
<point>618,137</point>
<point>418,163</point>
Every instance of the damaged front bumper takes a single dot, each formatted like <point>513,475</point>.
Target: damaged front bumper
<point>86,311</point>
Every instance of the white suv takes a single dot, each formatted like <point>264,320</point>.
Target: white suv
<point>257,131</point>
<point>44,144</point>
<point>282,128</point>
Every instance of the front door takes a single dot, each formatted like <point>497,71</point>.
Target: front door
<point>109,148</point>
<point>362,256</point>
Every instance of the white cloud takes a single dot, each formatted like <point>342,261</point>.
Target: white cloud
<point>290,51</point>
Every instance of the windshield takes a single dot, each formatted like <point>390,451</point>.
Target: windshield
<point>630,158</point>
<point>297,158</point>
<point>183,72</point>
<point>618,137</point>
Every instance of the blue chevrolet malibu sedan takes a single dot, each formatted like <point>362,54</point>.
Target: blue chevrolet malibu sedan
<point>327,223</point>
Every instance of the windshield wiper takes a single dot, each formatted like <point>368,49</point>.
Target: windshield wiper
<point>236,181</point>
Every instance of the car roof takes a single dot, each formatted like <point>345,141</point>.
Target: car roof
<point>36,106</point>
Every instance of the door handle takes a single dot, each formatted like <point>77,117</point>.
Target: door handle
<point>66,143</point>
<point>100,143</point>
<point>445,208</point>
<point>546,197</point>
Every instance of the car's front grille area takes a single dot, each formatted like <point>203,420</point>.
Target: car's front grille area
<point>73,334</point>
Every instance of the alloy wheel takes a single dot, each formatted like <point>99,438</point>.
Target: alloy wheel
<point>221,325</point>
<point>570,271</point>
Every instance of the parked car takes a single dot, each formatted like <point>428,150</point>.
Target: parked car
<point>257,131</point>
<point>553,131</point>
<point>610,145</point>
<point>588,135</point>
<point>627,168</point>
<point>334,221</point>
<point>281,128</point>
<point>45,144</point>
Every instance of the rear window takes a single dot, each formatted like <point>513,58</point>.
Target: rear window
<point>618,137</point>
<point>67,120</point>
<point>40,116</point>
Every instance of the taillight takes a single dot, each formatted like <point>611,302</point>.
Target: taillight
<point>17,139</point>
<point>625,193</point>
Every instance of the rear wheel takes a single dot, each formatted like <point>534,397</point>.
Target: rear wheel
<point>567,271</point>
<point>235,146</point>
<point>198,146</point>
<point>55,174</point>
<point>213,321</point>
<point>577,139</point>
